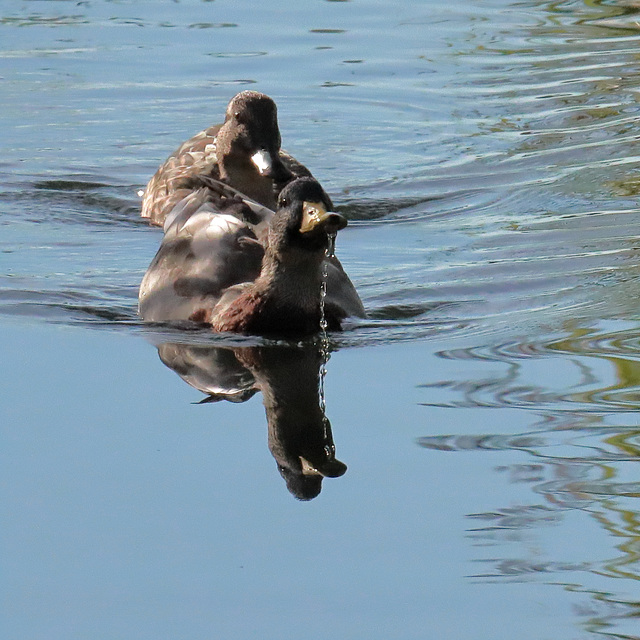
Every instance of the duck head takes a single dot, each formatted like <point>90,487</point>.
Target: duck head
<point>303,220</point>
<point>248,147</point>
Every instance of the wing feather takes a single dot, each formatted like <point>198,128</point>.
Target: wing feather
<point>203,253</point>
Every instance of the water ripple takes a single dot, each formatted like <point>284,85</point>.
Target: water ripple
<point>498,193</point>
<point>601,374</point>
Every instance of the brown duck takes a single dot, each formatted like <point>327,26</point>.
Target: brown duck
<point>244,152</point>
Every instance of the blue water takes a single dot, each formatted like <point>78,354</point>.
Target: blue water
<point>487,156</point>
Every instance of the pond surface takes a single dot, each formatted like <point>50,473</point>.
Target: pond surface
<point>487,155</point>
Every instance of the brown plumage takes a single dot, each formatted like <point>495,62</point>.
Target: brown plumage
<point>256,312</point>
<point>243,152</point>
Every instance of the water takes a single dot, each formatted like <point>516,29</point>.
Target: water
<point>487,156</point>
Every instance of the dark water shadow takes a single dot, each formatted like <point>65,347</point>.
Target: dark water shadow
<point>289,379</point>
<point>80,199</point>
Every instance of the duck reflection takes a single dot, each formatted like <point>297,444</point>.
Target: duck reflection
<point>299,433</point>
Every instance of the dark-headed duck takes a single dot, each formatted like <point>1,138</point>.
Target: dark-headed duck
<point>236,265</point>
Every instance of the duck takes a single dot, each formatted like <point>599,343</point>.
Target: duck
<point>233,264</point>
<point>243,152</point>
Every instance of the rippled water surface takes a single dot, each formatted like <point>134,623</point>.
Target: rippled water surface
<point>482,460</point>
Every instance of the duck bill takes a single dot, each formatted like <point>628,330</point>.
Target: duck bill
<point>316,217</point>
<point>267,164</point>
<point>328,469</point>
<point>263,161</point>
<point>270,166</point>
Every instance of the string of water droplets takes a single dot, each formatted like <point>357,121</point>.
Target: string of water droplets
<point>324,340</point>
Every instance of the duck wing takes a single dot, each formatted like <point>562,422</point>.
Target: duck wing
<point>171,182</point>
<point>341,293</point>
<point>296,167</point>
<point>207,248</point>
<point>252,213</point>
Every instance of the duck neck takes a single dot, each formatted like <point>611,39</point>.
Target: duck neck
<point>293,280</point>
<point>244,177</point>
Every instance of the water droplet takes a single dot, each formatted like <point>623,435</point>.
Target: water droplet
<point>331,249</point>
<point>324,340</point>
